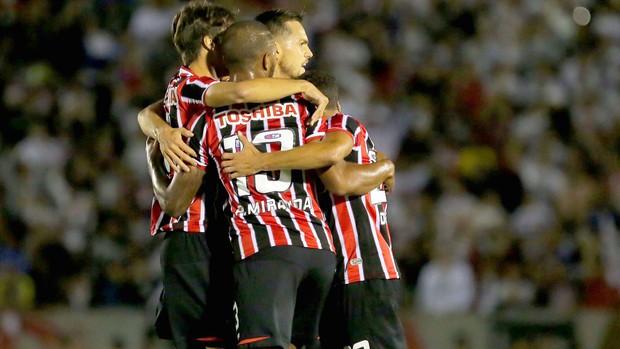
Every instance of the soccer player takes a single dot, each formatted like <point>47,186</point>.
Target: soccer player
<point>196,49</point>
<point>196,256</point>
<point>282,247</point>
<point>291,38</point>
<point>294,53</point>
<point>362,308</point>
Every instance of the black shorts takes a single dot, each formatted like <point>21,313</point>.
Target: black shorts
<point>280,292</point>
<point>196,305</point>
<point>363,315</point>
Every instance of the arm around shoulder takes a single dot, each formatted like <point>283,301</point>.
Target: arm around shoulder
<point>256,91</point>
<point>348,179</point>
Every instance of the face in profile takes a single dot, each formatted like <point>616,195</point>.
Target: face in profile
<point>295,52</point>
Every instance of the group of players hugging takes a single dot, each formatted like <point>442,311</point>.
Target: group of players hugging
<point>271,201</point>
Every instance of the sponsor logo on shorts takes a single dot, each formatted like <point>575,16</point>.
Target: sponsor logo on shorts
<point>356,261</point>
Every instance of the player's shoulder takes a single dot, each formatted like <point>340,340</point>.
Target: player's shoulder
<point>204,80</point>
<point>185,73</point>
<point>342,118</point>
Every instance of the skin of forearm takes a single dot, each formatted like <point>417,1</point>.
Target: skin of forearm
<point>318,154</point>
<point>151,120</point>
<point>349,179</point>
<point>256,90</point>
<point>174,196</point>
<point>181,191</point>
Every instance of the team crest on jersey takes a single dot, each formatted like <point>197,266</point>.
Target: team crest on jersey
<point>261,112</point>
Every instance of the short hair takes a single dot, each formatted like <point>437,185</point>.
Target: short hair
<point>243,43</point>
<point>275,20</point>
<point>326,83</point>
<point>197,19</point>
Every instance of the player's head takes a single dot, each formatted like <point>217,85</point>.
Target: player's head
<point>291,37</point>
<point>248,46</point>
<point>195,26</point>
<point>326,83</point>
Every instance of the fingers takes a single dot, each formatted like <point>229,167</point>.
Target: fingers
<point>229,170</point>
<point>226,165</point>
<point>171,163</point>
<point>175,162</point>
<point>184,166</point>
<point>243,139</point>
<point>318,114</point>
<point>187,133</point>
<point>188,152</point>
<point>185,159</point>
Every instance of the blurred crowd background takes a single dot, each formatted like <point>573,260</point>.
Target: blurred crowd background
<point>503,118</point>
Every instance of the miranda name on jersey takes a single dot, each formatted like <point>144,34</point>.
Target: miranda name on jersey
<point>259,207</point>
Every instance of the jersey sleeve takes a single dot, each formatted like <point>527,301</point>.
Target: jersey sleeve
<point>316,131</point>
<point>192,94</point>
<point>343,123</point>
<point>195,89</point>
<point>199,142</point>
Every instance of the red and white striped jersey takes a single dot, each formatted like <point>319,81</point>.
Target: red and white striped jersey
<point>184,107</point>
<point>272,208</point>
<point>359,223</point>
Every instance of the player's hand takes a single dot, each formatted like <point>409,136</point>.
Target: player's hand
<point>177,153</point>
<point>242,163</point>
<point>316,97</point>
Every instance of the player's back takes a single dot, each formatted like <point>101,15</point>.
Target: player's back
<point>359,223</point>
<point>185,107</point>
<point>270,208</point>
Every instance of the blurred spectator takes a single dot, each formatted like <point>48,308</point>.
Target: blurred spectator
<point>446,284</point>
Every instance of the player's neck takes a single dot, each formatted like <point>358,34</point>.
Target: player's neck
<point>241,75</point>
<point>330,112</point>
<point>279,73</point>
<point>199,68</point>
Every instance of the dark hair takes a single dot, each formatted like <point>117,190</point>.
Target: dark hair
<point>275,20</point>
<point>326,83</point>
<point>197,19</point>
<point>243,43</point>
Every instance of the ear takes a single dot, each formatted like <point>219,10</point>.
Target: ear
<point>278,50</point>
<point>270,61</point>
<point>266,61</point>
<point>207,43</point>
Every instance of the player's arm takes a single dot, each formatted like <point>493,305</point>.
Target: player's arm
<point>176,152</point>
<point>179,155</point>
<point>264,90</point>
<point>174,196</point>
<point>347,178</point>
<point>333,147</point>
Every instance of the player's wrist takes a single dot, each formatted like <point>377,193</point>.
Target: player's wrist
<point>265,161</point>
<point>305,86</point>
